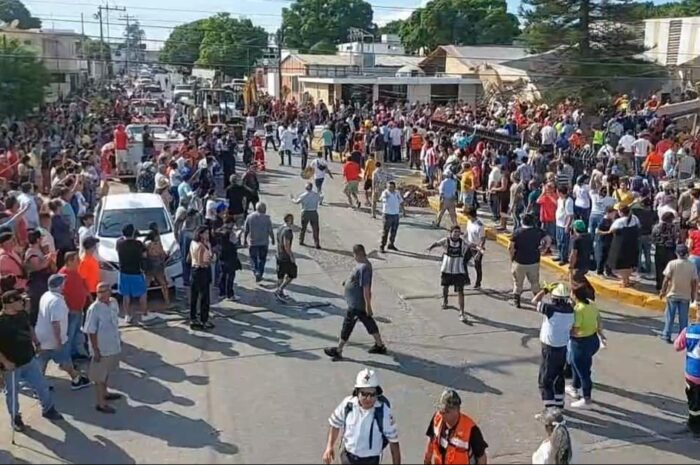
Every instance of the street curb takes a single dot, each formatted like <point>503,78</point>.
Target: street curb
<point>603,287</point>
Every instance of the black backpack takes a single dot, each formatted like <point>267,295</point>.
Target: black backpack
<point>378,417</point>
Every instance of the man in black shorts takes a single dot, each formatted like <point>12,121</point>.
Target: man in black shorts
<point>286,264</point>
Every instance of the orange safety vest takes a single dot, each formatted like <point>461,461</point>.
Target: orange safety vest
<point>416,142</point>
<point>456,445</point>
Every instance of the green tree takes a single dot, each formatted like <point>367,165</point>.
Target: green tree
<point>182,46</point>
<point>595,42</point>
<point>308,22</point>
<point>11,10</point>
<point>231,45</point>
<point>459,22</point>
<point>392,27</point>
<point>23,79</point>
<point>96,50</point>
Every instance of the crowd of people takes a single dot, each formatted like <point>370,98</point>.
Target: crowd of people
<point>610,194</point>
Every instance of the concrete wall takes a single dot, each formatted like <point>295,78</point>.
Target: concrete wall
<point>656,33</point>
<point>418,93</point>
<point>468,93</point>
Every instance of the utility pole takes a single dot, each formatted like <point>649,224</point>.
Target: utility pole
<point>279,39</point>
<point>128,18</point>
<point>99,15</point>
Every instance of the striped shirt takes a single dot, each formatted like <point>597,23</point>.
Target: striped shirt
<point>453,257</point>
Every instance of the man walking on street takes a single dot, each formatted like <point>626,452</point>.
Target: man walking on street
<point>679,288</point>
<point>448,199</point>
<point>526,246</point>
<point>309,201</point>
<point>286,264</point>
<point>102,329</point>
<point>392,207</point>
<point>452,272</point>
<point>358,295</point>
<point>453,437</point>
<point>476,236</point>
<point>689,340</point>
<point>258,227</point>
<point>380,180</point>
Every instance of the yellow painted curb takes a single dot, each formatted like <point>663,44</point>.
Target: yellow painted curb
<point>603,287</point>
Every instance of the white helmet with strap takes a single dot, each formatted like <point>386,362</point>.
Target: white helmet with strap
<point>367,378</point>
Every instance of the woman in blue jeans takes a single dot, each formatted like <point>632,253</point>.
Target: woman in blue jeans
<point>583,345</point>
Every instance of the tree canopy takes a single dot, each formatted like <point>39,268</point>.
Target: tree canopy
<point>392,27</point>
<point>459,22</point>
<point>182,46</point>
<point>15,9</point>
<point>309,22</point>
<point>595,42</point>
<point>23,79</point>
<point>231,45</point>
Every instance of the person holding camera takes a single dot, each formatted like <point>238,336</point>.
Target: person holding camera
<point>17,359</point>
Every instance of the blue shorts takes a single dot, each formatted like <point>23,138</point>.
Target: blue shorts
<point>132,285</point>
<point>60,356</point>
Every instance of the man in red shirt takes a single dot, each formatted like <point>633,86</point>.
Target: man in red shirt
<point>121,143</point>
<point>351,173</point>
<point>77,297</point>
<point>20,228</point>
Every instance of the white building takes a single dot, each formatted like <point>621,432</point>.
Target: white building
<point>389,44</point>
<point>672,41</point>
<point>61,53</point>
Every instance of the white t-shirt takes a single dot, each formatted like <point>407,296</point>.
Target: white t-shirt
<point>157,178</point>
<point>210,213</point>
<point>583,196</point>
<point>599,204</point>
<point>52,307</point>
<point>548,135</point>
<point>358,423</point>
<point>565,208</point>
<point>663,209</point>
<point>287,139</point>
<point>642,147</point>
<point>475,232</point>
<point>542,454</point>
<point>626,142</point>
<point>621,223</point>
<point>320,168</point>
<point>391,202</point>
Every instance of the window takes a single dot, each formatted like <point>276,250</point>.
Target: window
<point>295,83</point>
<point>57,78</point>
<point>112,221</point>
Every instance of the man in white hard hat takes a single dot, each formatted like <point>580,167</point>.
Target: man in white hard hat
<point>367,423</point>
<point>557,321</point>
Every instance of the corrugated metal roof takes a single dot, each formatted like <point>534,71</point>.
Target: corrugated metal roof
<point>397,60</point>
<point>477,55</point>
<point>324,60</point>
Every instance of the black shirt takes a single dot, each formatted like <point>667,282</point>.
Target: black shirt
<point>477,444</point>
<point>236,195</point>
<point>16,338</point>
<point>647,218</point>
<point>526,244</point>
<point>605,226</point>
<point>583,245</point>
<point>130,253</point>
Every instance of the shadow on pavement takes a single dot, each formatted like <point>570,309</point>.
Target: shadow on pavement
<point>168,426</point>
<point>7,457</point>
<point>76,447</point>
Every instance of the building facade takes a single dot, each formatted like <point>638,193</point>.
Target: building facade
<point>60,52</point>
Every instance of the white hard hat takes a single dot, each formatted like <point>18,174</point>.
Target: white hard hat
<point>367,378</point>
<point>561,291</point>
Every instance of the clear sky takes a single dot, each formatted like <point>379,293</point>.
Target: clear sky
<point>158,17</point>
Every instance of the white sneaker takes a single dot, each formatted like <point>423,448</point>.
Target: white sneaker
<point>572,392</point>
<point>582,404</point>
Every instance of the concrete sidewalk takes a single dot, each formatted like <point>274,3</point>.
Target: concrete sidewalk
<point>603,287</point>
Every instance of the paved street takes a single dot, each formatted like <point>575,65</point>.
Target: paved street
<point>258,388</point>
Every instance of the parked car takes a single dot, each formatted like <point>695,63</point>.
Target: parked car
<point>140,209</point>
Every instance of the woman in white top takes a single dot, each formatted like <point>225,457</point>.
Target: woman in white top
<point>582,202</point>
<point>557,447</point>
<point>200,256</point>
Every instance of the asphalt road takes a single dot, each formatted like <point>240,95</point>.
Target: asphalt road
<point>258,388</point>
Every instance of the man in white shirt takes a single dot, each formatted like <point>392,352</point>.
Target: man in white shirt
<point>364,415</point>
<point>564,216</point>
<point>476,237</point>
<point>395,137</point>
<point>548,136</point>
<point>28,201</point>
<point>641,148</point>
<point>287,137</point>
<point>627,144</point>
<point>51,332</point>
<point>320,171</point>
<point>392,207</point>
